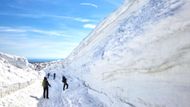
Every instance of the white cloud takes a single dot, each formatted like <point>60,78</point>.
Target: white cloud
<point>34,42</point>
<point>32,30</point>
<point>89,4</point>
<point>36,16</point>
<point>113,2</point>
<point>50,33</point>
<point>36,47</point>
<point>9,29</point>
<point>91,26</point>
<point>83,20</point>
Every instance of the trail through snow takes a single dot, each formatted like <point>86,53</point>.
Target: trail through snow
<point>28,96</point>
<point>75,96</point>
<point>54,95</point>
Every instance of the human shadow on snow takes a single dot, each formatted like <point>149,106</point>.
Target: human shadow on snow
<point>35,97</point>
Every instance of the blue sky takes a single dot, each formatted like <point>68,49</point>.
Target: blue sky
<point>49,28</point>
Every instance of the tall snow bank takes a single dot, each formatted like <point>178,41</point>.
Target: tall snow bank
<point>139,56</point>
<point>17,61</point>
<point>14,70</point>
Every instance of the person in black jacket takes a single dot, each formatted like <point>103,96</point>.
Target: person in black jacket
<point>45,85</point>
<point>64,80</point>
<point>48,75</point>
<point>54,75</point>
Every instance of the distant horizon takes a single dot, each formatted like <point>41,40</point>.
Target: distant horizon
<point>41,60</point>
<point>44,58</point>
<point>50,58</point>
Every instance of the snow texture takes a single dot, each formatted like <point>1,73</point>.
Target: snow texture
<point>16,73</point>
<point>139,56</point>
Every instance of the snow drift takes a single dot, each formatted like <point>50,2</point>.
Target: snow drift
<point>18,62</point>
<point>139,56</point>
<point>15,73</point>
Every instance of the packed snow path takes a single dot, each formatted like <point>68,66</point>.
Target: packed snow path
<point>54,96</point>
<point>23,97</point>
<point>76,96</point>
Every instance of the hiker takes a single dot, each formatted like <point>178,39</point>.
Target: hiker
<point>64,80</point>
<point>48,75</point>
<point>54,75</point>
<point>45,85</point>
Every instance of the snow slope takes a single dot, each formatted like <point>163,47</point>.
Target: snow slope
<point>139,56</point>
<point>16,73</point>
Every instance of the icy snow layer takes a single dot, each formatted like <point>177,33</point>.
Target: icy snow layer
<point>15,73</point>
<point>139,56</point>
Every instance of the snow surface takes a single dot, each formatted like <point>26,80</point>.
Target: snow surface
<point>15,73</point>
<point>139,56</point>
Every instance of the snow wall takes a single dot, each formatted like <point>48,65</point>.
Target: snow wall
<point>17,61</point>
<point>15,73</point>
<point>139,56</point>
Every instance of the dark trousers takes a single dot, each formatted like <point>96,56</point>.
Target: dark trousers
<point>45,93</point>
<point>65,86</point>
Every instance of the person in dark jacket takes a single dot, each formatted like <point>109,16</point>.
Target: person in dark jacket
<point>54,75</point>
<point>45,85</point>
<point>64,80</point>
<point>48,75</point>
